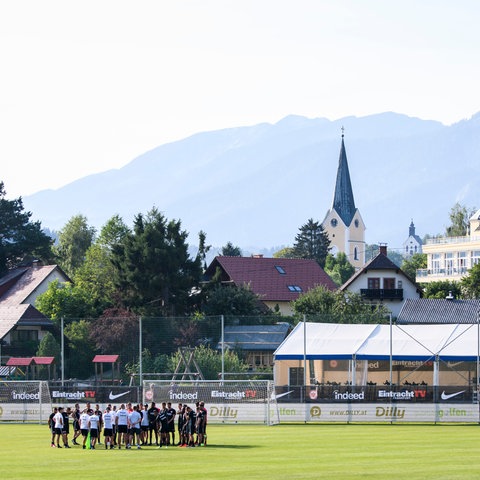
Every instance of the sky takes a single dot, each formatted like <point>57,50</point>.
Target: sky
<point>88,86</point>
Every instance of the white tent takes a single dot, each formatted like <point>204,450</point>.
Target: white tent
<point>317,341</point>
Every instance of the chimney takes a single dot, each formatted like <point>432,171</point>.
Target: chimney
<point>383,248</point>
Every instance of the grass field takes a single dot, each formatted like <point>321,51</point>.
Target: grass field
<point>258,452</point>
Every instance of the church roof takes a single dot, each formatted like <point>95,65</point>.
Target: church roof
<point>343,201</point>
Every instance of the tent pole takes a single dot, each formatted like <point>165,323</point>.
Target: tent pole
<point>305,364</point>
<point>391,352</point>
<point>478,363</point>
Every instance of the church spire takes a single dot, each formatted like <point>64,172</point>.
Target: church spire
<point>343,201</point>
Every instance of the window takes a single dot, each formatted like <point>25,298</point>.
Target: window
<point>373,283</point>
<point>294,288</point>
<point>475,257</point>
<point>280,270</point>
<point>389,283</point>
<point>24,335</point>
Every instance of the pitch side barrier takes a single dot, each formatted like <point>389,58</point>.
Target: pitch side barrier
<point>378,413</point>
<point>412,393</point>
<point>387,404</point>
<point>235,401</point>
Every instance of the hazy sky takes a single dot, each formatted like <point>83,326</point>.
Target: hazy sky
<point>88,86</point>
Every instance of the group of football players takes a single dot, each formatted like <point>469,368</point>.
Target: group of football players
<point>130,425</point>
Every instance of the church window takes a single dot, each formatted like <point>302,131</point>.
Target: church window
<point>357,223</point>
<point>333,222</point>
<point>355,253</point>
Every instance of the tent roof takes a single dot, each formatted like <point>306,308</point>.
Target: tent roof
<point>379,342</point>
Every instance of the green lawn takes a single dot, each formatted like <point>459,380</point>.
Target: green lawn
<point>250,452</point>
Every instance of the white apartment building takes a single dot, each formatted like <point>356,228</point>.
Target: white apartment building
<point>450,258</point>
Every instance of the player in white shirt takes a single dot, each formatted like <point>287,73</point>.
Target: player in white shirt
<point>58,425</point>
<point>93,425</point>
<point>108,419</point>
<point>84,419</point>
<point>134,420</point>
<point>121,420</point>
<point>144,425</point>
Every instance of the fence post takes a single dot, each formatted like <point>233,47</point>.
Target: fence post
<point>62,352</point>
<point>223,347</point>
<point>140,349</point>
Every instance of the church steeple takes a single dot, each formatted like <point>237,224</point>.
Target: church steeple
<point>343,201</point>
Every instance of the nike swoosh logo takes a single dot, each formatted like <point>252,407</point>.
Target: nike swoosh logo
<point>453,364</point>
<point>114,397</point>
<point>280,395</point>
<point>445,396</point>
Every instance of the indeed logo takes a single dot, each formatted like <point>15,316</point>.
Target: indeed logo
<point>348,395</point>
<point>25,396</point>
<point>182,395</point>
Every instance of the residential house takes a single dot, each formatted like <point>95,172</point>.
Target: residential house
<point>450,258</point>
<point>277,281</point>
<point>380,281</point>
<point>20,321</point>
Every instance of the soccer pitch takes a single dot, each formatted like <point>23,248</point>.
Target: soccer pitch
<point>328,451</point>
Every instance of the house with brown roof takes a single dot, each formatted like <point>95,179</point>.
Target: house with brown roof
<point>20,321</point>
<point>277,281</point>
<point>380,281</point>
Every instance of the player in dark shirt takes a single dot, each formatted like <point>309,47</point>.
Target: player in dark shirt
<point>152,422</point>
<point>171,413</point>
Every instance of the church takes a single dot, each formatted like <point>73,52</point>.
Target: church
<point>343,221</point>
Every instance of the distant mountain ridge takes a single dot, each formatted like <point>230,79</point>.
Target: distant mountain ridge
<point>256,185</point>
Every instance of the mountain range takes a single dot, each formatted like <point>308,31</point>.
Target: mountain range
<point>255,186</point>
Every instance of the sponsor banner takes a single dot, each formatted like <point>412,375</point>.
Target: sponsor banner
<point>101,395</point>
<point>372,412</point>
<point>380,365</point>
<point>193,394</point>
<point>27,412</point>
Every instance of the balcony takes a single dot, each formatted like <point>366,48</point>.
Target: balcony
<point>382,293</point>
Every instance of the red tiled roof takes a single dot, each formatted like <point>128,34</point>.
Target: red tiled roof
<point>266,280</point>
<point>19,361</point>
<point>105,358</point>
<point>43,360</point>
